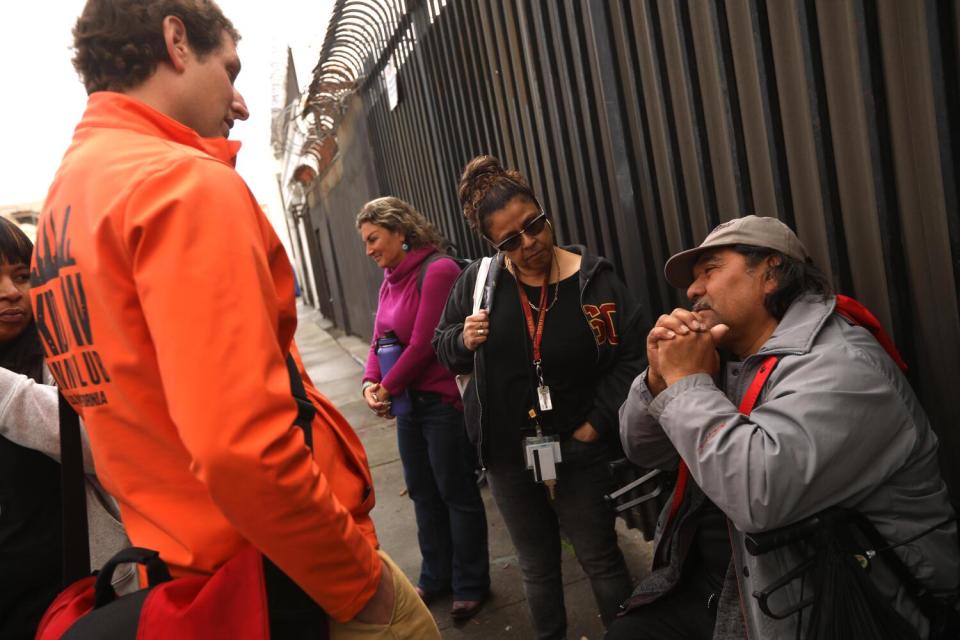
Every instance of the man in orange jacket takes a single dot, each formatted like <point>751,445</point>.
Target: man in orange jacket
<point>165,304</point>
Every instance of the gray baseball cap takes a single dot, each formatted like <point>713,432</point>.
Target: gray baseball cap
<point>768,233</point>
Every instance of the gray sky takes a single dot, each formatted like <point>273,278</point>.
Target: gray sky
<point>43,99</point>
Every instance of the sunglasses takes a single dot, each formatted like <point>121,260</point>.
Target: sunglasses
<point>533,228</point>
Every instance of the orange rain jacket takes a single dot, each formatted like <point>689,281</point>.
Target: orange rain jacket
<point>165,303</point>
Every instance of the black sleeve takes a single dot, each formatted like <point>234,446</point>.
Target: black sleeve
<point>629,360</point>
<point>448,336</point>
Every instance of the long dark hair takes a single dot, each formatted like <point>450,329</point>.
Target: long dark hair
<point>794,278</point>
<point>24,353</point>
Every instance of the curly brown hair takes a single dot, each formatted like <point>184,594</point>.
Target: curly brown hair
<point>118,43</point>
<point>486,186</point>
<point>399,216</point>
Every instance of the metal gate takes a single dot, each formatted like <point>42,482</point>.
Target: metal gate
<point>643,123</point>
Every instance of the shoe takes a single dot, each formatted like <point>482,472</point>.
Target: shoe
<point>463,610</point>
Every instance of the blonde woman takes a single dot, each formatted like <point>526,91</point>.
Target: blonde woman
<point>437,460</point>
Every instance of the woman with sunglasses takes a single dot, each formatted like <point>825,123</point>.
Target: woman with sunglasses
<point>553,352</point>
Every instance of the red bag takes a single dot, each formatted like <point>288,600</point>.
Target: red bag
<point>229,604</point>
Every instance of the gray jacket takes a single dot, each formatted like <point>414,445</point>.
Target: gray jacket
<point>836,424</point>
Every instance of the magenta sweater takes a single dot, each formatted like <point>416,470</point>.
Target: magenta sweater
<point>413,315</point>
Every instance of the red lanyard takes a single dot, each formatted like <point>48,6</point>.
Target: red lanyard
<point>536,334</point>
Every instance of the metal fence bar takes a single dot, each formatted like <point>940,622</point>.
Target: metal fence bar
<point>643,123</point>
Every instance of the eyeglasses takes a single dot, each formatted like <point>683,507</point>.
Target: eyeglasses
<point>533,228</point>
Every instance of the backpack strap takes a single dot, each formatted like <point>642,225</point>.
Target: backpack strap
<point>430,259</point>
<point>750,398</point>
<point>285,598</point>
<point>305,409</point>
<point>857,314</point>
<point>75,538</point>
<point>483,274</point>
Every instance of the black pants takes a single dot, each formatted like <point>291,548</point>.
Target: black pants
<point>687,613</point>
<point>534,522</point>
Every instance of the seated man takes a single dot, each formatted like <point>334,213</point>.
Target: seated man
<point>835,424</point>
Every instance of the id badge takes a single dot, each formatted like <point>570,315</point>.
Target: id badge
<point>542,454</point>
<point>543,396</point>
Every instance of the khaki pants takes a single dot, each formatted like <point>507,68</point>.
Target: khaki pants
<point>411,618</point>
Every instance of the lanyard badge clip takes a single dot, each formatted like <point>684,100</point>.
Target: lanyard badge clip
<point>543,391</point>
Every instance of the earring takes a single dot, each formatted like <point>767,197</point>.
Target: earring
<point>405,246</point>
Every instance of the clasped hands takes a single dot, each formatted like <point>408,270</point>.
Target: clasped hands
<point>679,345</point>
<point>378,399</point>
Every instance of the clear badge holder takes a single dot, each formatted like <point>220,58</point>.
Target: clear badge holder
<point>542,454</point>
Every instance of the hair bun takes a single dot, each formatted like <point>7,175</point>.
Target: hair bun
<point>478,172</point>
<point>486,186</point>
<point>478,176</point>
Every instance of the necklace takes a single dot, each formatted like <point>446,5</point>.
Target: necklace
<point>556,286</point>
<point>556,296</point>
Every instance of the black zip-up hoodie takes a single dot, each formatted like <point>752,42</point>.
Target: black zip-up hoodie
<point>621,355</point>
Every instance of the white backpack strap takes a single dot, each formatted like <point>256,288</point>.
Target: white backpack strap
<point>481,283</point>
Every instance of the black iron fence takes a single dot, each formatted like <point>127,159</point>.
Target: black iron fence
<point>644,123</point>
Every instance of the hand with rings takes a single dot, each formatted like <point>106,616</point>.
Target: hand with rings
<point>475,330</point>
<point>378,399</point>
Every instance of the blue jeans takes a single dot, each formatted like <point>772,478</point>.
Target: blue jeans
<point>438,464</point>
<point>534,522</point>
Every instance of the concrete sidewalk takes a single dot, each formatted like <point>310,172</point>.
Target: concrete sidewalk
<point>333,361</point>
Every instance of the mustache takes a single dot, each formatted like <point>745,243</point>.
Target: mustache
<point>700,305</point>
